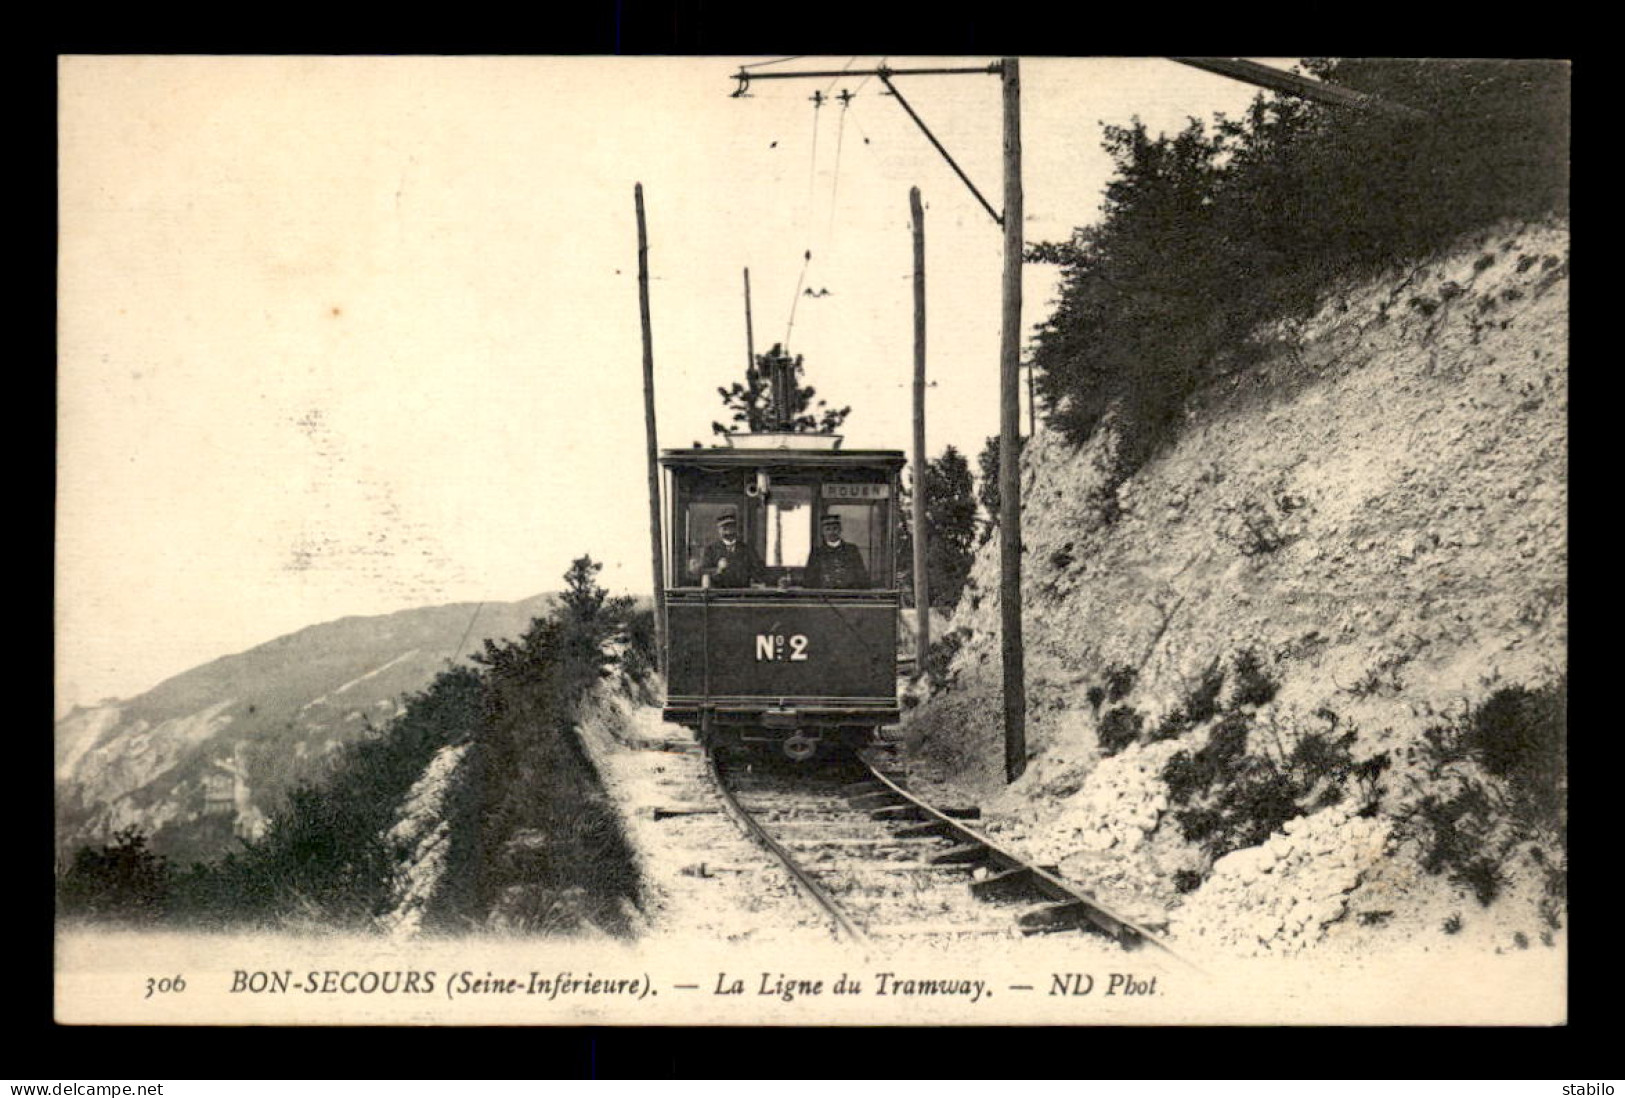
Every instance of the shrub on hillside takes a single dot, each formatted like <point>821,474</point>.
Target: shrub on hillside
<point>536,842</point>
<point>1210,232</point>
<point>1200,706</point>
<point>121,880</point>
<point>1227,798</point>
<point>1118,728</point>
<point>638,629</point>
<point>1503,763</point>
<point>1252,685</point>
<point>1520,736</point>
<point>939,657</point>
<point>1120,678</point>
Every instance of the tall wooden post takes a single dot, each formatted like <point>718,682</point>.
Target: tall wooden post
<point>1032,403</point>
<point>750,336</point>
<point>657,554</point>
<point>1015,685</point>
<point>922,586</point>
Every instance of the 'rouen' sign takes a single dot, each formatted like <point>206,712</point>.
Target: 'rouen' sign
<point>856,491</point>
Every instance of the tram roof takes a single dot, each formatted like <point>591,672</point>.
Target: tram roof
<point>724,458</point>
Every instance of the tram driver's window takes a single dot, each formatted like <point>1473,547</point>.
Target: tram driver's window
<point>700,530</point>
<point>786,535</point>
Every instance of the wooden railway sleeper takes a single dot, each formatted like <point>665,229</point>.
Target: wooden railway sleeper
<point>857,789</point>
<point>878,799</point>
<point>918,812</point>
<point>900,812</point>
<point>1018,883</point>
<point>932,827</point>
<point>966,852</point>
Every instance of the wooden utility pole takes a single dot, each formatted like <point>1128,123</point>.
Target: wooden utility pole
<point>922,586</point>
<point>657,554</point>
<point>1032,404</point>
<point>750,336</point>
<point>1015,681</point>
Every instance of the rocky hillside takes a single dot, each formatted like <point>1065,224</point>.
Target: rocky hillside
<point>1353,543</point>
<point>207,755</point>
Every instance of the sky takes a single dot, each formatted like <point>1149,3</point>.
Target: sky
<point>346,336</point>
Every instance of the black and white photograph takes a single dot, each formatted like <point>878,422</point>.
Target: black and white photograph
<point>811,540</point>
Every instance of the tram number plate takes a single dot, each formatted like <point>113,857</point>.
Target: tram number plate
<point>775,647</point>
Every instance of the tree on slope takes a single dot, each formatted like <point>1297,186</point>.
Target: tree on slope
<point>582,597</point>
<point>950,516</point>
<point>987,486</point>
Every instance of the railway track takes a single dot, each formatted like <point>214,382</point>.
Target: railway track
<point>884,865</point>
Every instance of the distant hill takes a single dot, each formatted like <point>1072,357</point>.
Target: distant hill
<point>204,757</point>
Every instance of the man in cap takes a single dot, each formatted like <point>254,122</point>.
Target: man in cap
<point>834,563</point>
<point>730,561</point>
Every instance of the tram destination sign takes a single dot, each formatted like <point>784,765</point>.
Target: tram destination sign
<point>856,491</point>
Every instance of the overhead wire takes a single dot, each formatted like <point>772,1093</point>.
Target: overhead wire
<point>773,61</point>
<point>806,259</point>
<point>834,79</point>
<point>812,162</point>
<point>840,134</point>
<point>835,183</point>
<point>863,132</point>
<point>818,99</point>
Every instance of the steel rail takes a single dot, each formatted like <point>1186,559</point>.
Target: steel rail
<point>1070,904</point>
<point>756,831</point>
<point>1011,866</point>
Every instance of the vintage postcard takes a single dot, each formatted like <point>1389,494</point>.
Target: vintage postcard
<point>816,540</point>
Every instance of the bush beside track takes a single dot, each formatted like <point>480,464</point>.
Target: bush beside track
<point>521,816</point>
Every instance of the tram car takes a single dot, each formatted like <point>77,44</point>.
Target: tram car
<point>781,592</point>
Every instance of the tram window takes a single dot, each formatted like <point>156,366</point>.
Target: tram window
<point>700,530</point>
<point>864,525</point>
<point>786,535</point>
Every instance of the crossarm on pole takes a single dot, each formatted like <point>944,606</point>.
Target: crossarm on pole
<point>885,78</point>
